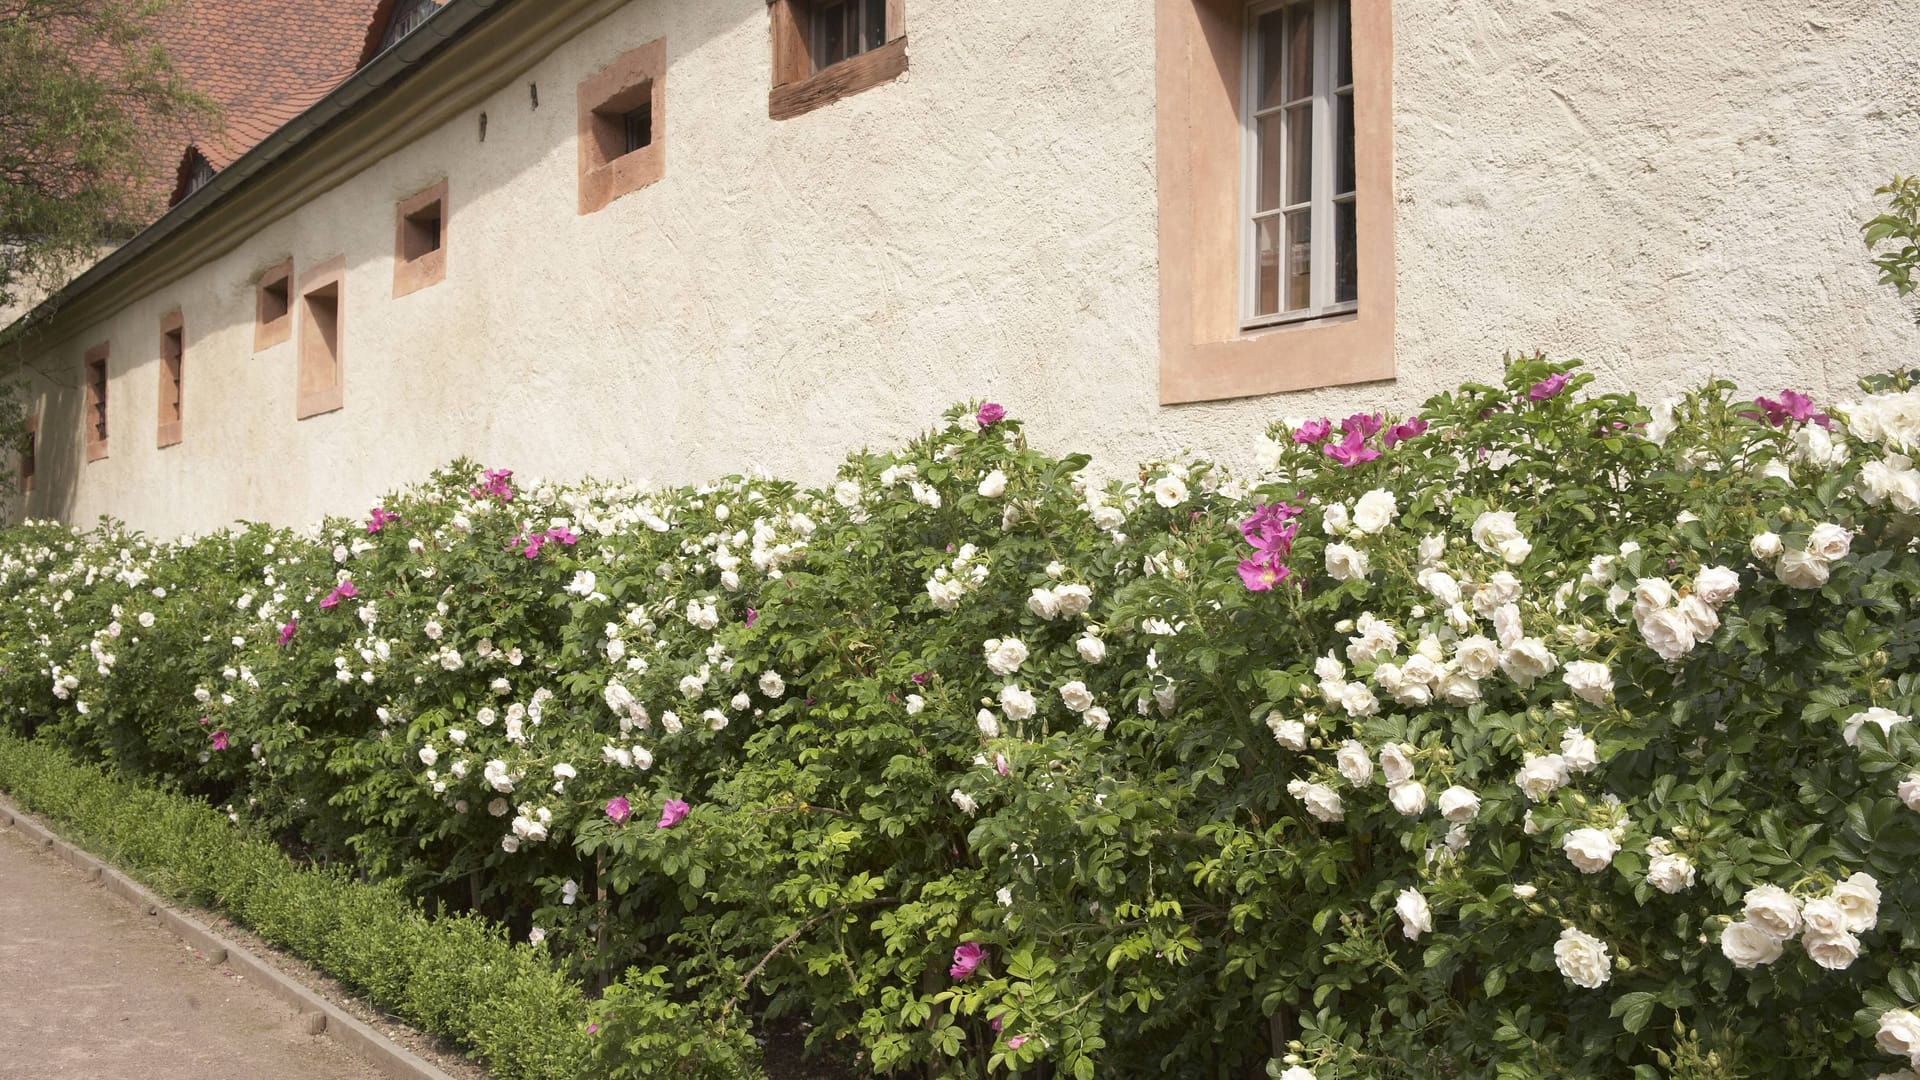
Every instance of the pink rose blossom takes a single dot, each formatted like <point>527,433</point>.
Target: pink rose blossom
<point>342,591</point>
<point>380,520</point>
<point>619,809</point>
<point>1351,450</point>
<point>219,740</point>
<point>1262,572</point>
<point>673,813</point>
<point>1550,387</point>
<point>1791,406</point>
<point>1313,431</point>
<point>990,414</point>
<point>966,959</point>
<point>1017,1042</point>
<point>1400,433</point>
<point>1364,423</point>
<point>287,632</point>
<point>751,616</point>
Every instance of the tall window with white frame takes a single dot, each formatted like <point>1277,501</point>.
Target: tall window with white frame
<point>1300,217</point>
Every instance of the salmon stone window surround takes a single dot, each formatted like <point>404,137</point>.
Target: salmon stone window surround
<point>420,240</point>
<point>1210,346</point>
<point>622,126</point>
<point>320,377</point>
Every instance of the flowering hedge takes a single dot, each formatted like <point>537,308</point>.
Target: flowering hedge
<point>1539,734</point>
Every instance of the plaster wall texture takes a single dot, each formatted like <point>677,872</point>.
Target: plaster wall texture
<point>1666,190</point>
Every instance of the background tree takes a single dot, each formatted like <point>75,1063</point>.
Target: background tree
<point>84,85</point>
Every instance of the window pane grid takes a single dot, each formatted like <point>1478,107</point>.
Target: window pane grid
<point>1300,94</point>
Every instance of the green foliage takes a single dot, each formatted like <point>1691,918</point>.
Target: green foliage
<point>456,977</point>
<point>993,768</point>
<point>84,87</point>
<point>1895,235</point>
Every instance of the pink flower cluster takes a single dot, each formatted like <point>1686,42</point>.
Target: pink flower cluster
<point>531,543</point>
<point>494,482</point>
<point>1270,530</point>
<point>380,519</point>
<point>1352,447</point>
<point>342,591</point>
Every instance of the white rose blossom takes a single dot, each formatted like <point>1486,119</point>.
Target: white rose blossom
<point>1416,917</point>
<point>1774,911</point>
<point>1374,511</point>
<point>1590,850</point>
<point>1748,946</point>
<point>1459,805</point>
<point>1582,958</point>
<point>1354,763</point>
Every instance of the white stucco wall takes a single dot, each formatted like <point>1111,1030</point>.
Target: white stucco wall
<point>1666,192</point>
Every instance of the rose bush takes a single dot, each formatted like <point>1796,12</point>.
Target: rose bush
<point>1539,734</point>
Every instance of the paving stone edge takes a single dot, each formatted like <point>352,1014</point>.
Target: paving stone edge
<point>323,1016</point>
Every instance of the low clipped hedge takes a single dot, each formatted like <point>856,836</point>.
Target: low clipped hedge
<point>457,977</point>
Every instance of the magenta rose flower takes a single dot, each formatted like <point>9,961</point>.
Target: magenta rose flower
<point>219,740</point>
<point>990,414</point>
<point>1352,449</point>
<point>1400,433</point>
<point>287,631</point>
<point>1313,431</point>
<point>619,809</point>
<point>1549,387</point>
<point>673,813</point>
<point>966,959</point>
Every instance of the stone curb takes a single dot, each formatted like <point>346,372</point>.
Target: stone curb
<point>321,1015</point>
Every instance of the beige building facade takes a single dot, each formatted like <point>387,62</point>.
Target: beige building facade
<point>665,239</point>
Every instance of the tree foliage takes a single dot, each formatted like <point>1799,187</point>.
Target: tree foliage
<point>83,84</point>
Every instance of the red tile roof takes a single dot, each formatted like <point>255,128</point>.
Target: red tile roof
<point>264,62</point>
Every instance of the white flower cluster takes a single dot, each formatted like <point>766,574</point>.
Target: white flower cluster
<point>1826,926</point>
<point>951,583</point>
<point>1805,567</point>
<point>1671,623</point>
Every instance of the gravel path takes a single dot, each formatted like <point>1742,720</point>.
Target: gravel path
<point>89,988</point>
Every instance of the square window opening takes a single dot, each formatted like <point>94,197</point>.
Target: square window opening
<point>274,300</point>
<point>624,123</point>
<point>420,233</point>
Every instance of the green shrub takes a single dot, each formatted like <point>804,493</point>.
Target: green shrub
<point>1471,743</point>
<point>456,977</point>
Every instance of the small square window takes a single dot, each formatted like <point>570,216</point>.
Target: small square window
<point>621,126</point>
<point>824,50</point>
<point>173,348</point>
<point>273,310</point>
<point>420,240</point>
<point>322,326</point>
<point>95,416</point>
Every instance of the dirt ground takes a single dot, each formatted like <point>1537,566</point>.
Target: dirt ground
<point>89,989</point>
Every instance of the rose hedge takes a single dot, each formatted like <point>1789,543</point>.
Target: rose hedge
<point>1540,734</point>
